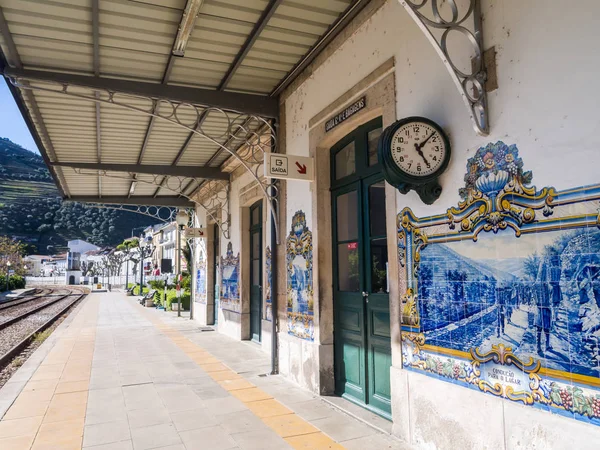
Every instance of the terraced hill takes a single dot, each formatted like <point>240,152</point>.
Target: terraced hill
<point>32,211</point>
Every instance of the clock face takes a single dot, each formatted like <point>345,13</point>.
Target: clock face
<point>418,149</point>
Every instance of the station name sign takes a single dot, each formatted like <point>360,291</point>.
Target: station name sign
<point>345,114</point>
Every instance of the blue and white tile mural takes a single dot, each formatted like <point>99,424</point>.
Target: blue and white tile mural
<point>201,292</point>
<point>230,293</point>
<point>300,304</point>
<point>269,280</point>
<point>502,293</point>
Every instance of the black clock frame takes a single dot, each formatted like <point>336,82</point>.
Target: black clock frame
<point>428,187</point>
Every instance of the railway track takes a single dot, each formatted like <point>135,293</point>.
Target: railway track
<point>18,330</point>
<point>38,293</point>
<point>18,312</point>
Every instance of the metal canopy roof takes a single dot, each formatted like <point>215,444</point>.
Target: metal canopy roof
<point>238,56</point>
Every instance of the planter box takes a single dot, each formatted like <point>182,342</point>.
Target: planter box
<point>174,307</point>
<point>149,303</point>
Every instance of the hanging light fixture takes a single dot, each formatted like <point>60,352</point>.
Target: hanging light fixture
<point>186,26</point>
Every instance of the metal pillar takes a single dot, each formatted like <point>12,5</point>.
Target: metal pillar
<point>274,315</point>
<point>179,270</point>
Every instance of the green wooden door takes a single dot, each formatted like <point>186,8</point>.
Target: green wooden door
<point>255,270</point>
<point>361,300</point>
<point>216,271</point>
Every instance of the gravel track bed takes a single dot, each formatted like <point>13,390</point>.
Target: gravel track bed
<point>15,333</point>
<point>18,310</point>
<point>18,361</point>
<point>18,301</point>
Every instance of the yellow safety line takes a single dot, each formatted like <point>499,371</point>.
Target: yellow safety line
<point>296,431</point>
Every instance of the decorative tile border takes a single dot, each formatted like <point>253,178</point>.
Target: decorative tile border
<point>300,301</point>
<point>229,298</point>
<point>502,293</point>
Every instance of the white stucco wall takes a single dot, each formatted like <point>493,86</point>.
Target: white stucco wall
<point>545,104</point>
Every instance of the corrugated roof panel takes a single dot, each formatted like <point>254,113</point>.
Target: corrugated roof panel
<point>81,184</point>
<point>38,43</point>
<point>115,186</point>
<point>78,61</point>
<point>244,11</point>
<point>143,190</point>
<point>298,38</point>
<point>73,12</point>
<point>118,37</point>
<point>135,10</point>
<point>268,46</point>
<point>178,4</point>
<point>135,40</point>
<point>259,73</point>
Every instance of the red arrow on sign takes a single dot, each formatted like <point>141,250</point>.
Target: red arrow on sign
<point>301,168</point>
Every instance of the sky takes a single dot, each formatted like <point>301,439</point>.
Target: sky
<point>12,125</point>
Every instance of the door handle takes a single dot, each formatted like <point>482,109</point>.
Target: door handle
<point>366,296</point>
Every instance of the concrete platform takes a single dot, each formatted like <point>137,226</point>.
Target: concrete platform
<point>116,376</point>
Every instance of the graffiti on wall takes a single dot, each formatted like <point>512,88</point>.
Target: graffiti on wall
<point>502,293</point>
<point>230,268</point>
<point>269,280</point>
<point>300,306</point>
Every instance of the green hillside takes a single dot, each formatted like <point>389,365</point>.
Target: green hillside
<point>31,209</point>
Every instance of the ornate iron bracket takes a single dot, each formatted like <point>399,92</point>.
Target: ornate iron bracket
<point>470,85</point>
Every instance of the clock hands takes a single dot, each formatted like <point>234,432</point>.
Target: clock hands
<point>420,152</point>
<point>418,148</point>
<point>425,141</point>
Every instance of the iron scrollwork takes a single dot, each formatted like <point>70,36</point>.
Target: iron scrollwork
<point>251,134</point>
<point>470,85</point>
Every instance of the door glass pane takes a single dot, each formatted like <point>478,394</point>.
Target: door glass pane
<point>347,220</point>
<point>373,138</point>
<point>377,209</point>
<point>379,259</point>
<point>348,275</point>
<point>255,245</point>
<point>256,216</point>
<point>345,161</point>
<point>256,272</point>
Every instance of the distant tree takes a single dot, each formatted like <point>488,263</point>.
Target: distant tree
<point>531,265</point>
<point>11,251</point>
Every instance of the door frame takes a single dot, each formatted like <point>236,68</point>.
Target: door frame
<point>256,228</point>
<point>216,267</point>
<point>378,88</point>
<point>364,176</point>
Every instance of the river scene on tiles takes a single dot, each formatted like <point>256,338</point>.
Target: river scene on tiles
<point>300,303</point>
<point>230,294</point>
<point>503,291</point>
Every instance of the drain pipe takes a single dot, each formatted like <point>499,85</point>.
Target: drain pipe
<point>274,309</point>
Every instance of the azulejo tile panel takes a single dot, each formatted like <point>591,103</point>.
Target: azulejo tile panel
<point>300,303</point>
<point>230,288</point>
<point>269,280</point>
<point>201,292</point>
<point>502,293</point>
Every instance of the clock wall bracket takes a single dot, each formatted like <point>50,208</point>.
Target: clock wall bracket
<point>437,29</point>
